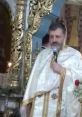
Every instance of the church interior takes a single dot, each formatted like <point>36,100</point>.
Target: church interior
<point>22,25</point>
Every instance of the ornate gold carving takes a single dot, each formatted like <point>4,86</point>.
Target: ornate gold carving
<point>38,8</point>
<point>22,41</point>
<point>17,52</point>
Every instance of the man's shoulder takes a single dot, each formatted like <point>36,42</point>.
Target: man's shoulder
<point>45,51</point>
<point>73,51</point>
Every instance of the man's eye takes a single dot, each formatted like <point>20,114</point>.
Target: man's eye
<point>57,36</point>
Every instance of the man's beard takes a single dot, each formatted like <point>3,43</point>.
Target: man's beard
<point>56,45</point>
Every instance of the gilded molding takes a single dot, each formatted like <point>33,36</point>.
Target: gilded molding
<point>37,10</point>
<point>22,40</point>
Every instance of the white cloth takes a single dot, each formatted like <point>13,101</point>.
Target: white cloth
<point>43,79</point>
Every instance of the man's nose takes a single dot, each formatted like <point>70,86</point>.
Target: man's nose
<point>55,39</point>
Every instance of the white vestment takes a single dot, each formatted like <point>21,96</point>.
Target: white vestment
<point>43,80</point>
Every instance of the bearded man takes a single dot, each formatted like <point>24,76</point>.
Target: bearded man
<point>49,91</point>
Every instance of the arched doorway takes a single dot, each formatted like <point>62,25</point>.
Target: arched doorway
<point>5,36</point>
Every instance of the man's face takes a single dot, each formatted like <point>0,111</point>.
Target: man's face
<point>57,36</point>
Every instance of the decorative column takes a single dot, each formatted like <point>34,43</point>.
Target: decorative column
<point>80,29</point>
<point>18,43</point>
<point>69,21</point>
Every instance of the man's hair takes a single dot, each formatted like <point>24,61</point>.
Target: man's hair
<point>57,24</point>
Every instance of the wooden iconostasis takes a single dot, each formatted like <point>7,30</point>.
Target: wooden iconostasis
<point>72,15</point>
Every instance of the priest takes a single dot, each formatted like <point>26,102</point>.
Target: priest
<point>50,89</point>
